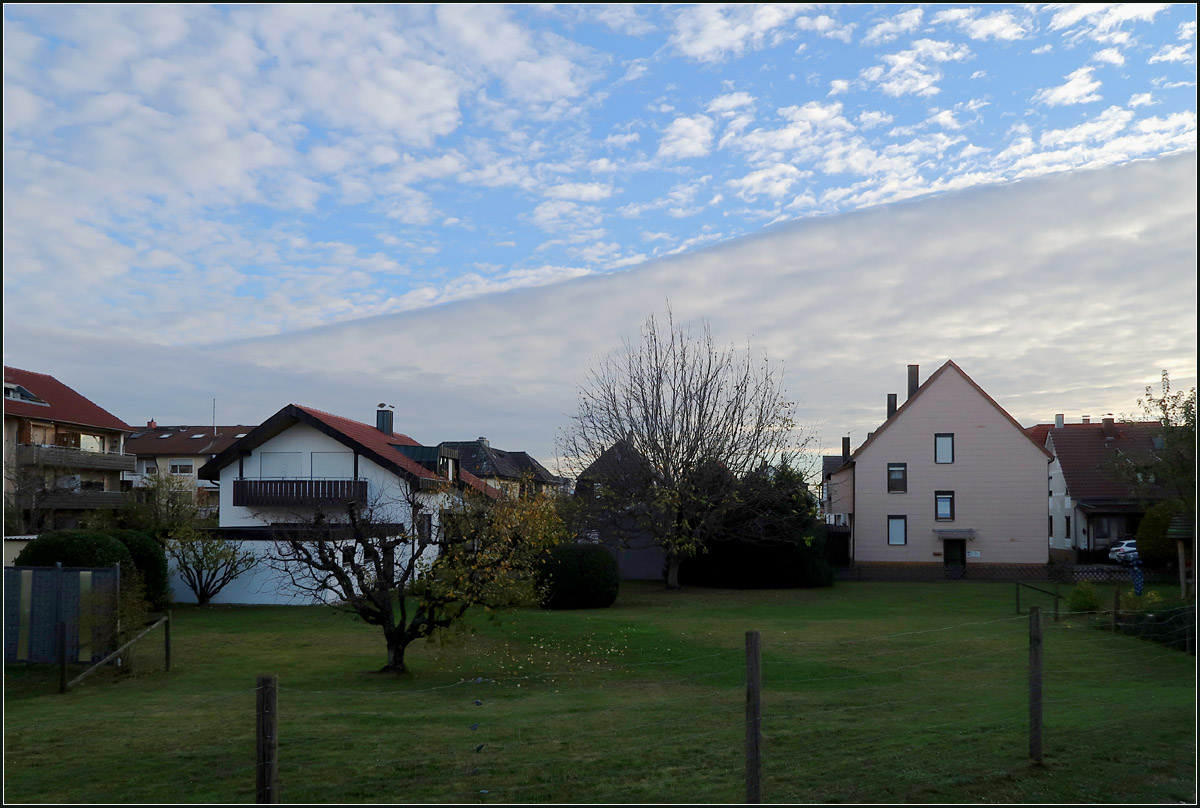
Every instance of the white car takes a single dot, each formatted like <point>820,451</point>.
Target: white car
<point>1124,552</point>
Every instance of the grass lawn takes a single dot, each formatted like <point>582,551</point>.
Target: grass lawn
<point>872,692</point>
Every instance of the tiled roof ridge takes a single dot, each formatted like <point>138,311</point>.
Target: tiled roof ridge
<point>318,413</point>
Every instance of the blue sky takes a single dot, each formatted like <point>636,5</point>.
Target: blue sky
<point>182,176</point>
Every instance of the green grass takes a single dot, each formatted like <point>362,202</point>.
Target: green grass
<point>871,693</point>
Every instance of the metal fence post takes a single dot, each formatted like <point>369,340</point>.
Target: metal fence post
<point>753,717</point>
<point>266,787</point>
<point>1035,685</point>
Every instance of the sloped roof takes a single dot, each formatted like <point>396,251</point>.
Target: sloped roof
<point>830,464</point>
<point>363,438</point>
<point>61,403</point>
<point>182,440</point>
<point>483,460</point>
<point>1087,456</point>
<point>933,377</point>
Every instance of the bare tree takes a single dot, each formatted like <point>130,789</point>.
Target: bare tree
<point>206,562</point>
<point>397,567</point>
<point>665,428</point>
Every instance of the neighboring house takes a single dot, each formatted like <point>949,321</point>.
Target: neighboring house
<point>181,451</point>
<point>507,471</point>
<point>63,455</point>
<point>949,479</point>
<point>1090,506</point>
<point>837,526</point>
<point>623,530</point>
<point>301,461</point>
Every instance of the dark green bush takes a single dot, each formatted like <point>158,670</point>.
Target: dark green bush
<point>579,576</point>
<point>150,558</point>
<point>760,564</point>
<point>1083,598</point>
<point>75,548</point>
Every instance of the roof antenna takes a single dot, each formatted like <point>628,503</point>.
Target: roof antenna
<point>214,417</point>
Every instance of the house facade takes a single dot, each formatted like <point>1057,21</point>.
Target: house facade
<point>1091,507</point>
<point>63,455</point>
<point>302,461</point>
<point>180,451</point>
<point>949,478</point>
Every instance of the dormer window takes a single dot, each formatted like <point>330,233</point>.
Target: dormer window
<point>17,392</point>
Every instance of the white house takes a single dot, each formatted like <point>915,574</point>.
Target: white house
<point>301,459</point>
<point>948,479</point>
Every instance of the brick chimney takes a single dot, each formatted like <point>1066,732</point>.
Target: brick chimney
<point>1109,427</point>
<point>1087,419</point>
<point>914,379</point>
<point>483,440</point>
<point>151,424</point>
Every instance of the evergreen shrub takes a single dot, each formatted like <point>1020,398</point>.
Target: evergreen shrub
<point>579,576</point>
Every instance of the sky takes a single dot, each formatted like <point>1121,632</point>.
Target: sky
<point>452,209</point>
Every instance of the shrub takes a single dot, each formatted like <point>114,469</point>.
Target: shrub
<point>1152,543</point>
<point>760,564</point>
<point>150,558</point>
<point>579,576</point>
<point>1083,598</point>
<point>76,548</point>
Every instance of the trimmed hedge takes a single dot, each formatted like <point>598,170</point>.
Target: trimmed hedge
<point>579,576</point>
<point>75,548</point>
<point>759,564</point>
<point>150,558</point>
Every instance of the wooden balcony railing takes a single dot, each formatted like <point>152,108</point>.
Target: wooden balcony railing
<point>79,500</point>
<point>297,493</point>
<point>64,457</point>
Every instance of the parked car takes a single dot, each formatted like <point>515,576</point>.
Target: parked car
<point>1124,552</point>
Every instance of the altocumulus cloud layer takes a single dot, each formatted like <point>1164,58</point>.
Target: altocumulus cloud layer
<point>1066,293</point>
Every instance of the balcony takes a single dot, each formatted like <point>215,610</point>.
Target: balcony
<point>80,500</point>
<point>63,457</point>
<point>297,493</point>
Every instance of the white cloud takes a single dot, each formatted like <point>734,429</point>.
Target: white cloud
<point>686,137</point>
<point>726,104</point>
<point>1079,89</point>
<point>580,191</point>
<point>826,26</point>
<point>888,30</point>
<point>1112,56</point>
<point>1001,25</point>
<point>712,32</point>
<point>838,86</point>
<point>1141,100</point>
<point>1174,53</point>
<point>774,182</point>
<point>621,141</point>
<point>912,71</point>
<point>871,119</point>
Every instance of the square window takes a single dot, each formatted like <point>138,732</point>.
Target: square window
<point>943,447</point>
<point>180,467</point>
<point>897,530</point>
<point>897,477</point>
<point>944,508</point>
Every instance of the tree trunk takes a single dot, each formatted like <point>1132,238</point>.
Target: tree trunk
<point>395,653</point>
<point>673,571</point>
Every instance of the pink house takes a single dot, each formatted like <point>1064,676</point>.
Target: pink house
<point>948,479</point>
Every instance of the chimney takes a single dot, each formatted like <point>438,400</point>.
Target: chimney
<point>1059,421</point>
<point>1087,419</point>
<point>1109,428</point>
<point>914,379</point>
<point>483,440</point>
<point>151,424</point>
<point>846,449</point>
<point>869,434</point>
<point>383,421</point>
<point>891,405</point>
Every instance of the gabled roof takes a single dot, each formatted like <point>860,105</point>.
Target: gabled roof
<point>937,374</point>
<point>1087,457</point>
<point>183,440</point>
<point>355,435</point>
<point>830,464</point>
<point>482,460</point>
<point>54,401</point>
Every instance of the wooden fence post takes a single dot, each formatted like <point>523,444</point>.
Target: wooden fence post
<point>266,789</point>
<point>753,717</point>
<point>1035,685</point>
<point>167,640</point>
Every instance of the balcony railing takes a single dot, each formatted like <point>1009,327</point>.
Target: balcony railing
<point>65,457</point>
<point>291,493</point>
<point>79,500</point>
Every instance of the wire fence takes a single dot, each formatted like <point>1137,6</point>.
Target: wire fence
<point>928,715</point>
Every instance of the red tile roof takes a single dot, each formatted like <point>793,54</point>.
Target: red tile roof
<point>1038,432</point>
<point>63,404</point>
<point>1087,457</point>
<point>179,440</point>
